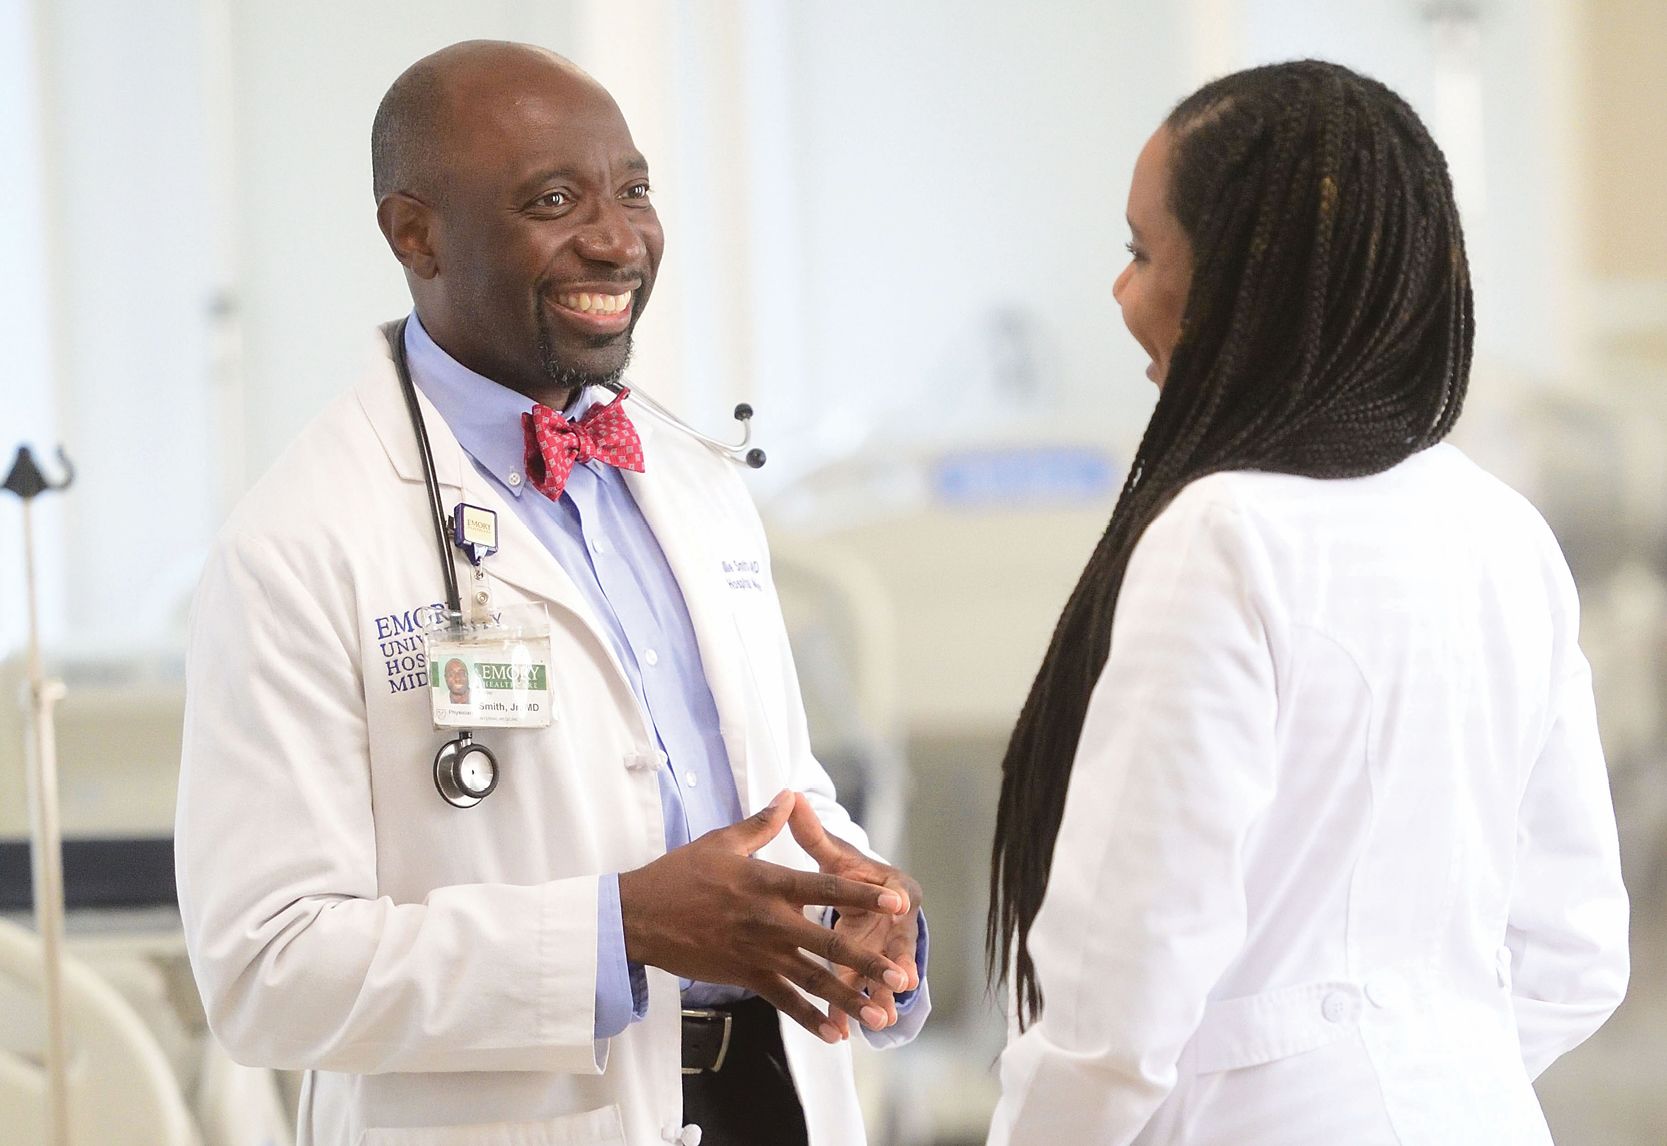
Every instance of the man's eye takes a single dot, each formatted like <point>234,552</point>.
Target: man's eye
<point>552,199</point>
<point>638,191</point>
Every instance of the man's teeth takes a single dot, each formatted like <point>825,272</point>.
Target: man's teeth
<point>596,303</point>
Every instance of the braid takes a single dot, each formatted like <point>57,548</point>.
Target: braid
<point>1327,332</point>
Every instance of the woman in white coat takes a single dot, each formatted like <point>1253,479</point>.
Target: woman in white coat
<point>1305,833</point>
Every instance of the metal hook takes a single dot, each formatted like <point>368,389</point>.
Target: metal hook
<point>26,479</point>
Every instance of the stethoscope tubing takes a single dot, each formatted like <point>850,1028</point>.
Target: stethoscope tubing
<point>436,507</point>
<point>752,458</point>
<point>453,753</point>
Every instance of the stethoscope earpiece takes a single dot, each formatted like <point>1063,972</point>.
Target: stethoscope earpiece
<point>465,772</point>
<point>738,452</point>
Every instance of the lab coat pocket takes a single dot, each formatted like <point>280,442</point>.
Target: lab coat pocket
<point>593,1128</point>
<point>1278,1024</point>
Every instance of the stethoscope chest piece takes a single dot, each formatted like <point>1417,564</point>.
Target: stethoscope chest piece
<point>465,772</point>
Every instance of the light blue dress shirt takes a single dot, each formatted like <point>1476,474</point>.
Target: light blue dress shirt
<point>600,538</point>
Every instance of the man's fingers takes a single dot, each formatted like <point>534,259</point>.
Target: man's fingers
<point>814,838</point>
<point>779,993</point>
<point>833,854</point>
<point>883,999</point>
<point>836,949</point>
<point>761,827</point>
<point>823,889</point>
<point>817,980</point>
<point>900,949</point>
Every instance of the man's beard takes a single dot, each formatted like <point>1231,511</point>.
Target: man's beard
<point>573,378</point>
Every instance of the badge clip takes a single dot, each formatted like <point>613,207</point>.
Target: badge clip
<point>475,531</point>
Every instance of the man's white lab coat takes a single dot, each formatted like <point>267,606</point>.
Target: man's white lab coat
<point>433,969</point>
<point>1338,864</point>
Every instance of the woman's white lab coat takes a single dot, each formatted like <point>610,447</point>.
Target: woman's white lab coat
<point>433,969</point>
<point>1338,862</point>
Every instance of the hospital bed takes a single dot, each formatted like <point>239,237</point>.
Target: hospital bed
<point>144,1069</point>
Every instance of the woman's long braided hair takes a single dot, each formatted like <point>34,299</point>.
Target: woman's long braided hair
<point>1327,332</point>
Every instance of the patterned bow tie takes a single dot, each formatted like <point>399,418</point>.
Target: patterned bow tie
<point>555,445</point>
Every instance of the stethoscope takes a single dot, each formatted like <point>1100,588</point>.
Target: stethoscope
<point>466,772</point>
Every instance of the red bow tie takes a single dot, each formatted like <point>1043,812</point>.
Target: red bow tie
<point>555,445</point>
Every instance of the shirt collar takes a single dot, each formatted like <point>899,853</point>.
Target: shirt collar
<point>484,416</point>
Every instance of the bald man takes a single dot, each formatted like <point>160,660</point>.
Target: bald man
<point>640,915</point>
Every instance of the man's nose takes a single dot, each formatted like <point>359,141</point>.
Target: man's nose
<point>611,237</point>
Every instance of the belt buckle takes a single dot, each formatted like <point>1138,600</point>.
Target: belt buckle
<point>711,1015</point>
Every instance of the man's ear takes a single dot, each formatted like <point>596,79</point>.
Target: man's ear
<point>408,224</point>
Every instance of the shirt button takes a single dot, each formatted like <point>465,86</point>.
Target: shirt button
<point>598,545</point>
<point>1335,1008</point>
<point>650,658</point>
<point>1384,991</point>
<point>514,478</point>
<point>690,779</point>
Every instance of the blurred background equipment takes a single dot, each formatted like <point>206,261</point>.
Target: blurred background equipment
<point>46,861</point>
<point>895,228</point>
<point>118,1088</point>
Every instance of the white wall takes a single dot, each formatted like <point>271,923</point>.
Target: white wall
<point>28,413</point>
<point>959,161</point>
<point>1520,228</point>
<point>854,195</point>
<point>315,275</point>
<point>115,327</point>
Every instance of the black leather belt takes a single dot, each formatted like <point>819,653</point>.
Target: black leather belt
<point>707,1033</point>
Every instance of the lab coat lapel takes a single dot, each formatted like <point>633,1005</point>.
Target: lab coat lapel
<point>673,511</point>
<point>521,559</point>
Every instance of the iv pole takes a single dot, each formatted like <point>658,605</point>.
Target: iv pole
<point>27,482</point>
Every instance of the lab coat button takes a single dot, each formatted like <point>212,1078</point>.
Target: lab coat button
<point>1335,1007</point>
<point>1384,991</point>
<point>660,759</point>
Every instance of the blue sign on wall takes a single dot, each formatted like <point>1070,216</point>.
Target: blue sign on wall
<point>1032,476</point>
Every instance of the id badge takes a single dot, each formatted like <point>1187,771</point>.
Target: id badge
<point>494,674</point>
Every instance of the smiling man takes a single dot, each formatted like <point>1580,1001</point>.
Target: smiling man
<point>640,916</point>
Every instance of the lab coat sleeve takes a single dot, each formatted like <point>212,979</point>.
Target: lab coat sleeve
<point>912,1006</point>
<point>302,964</point>
<point>1567,934</point>
<point>1146,904</point>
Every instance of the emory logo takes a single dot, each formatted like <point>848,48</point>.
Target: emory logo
<point>400,641</point>
<point>495,674</point>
